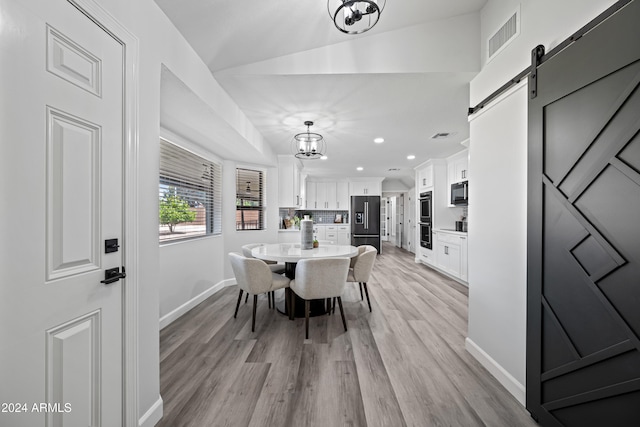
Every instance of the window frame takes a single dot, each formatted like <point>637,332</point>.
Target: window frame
<point>213,189</point>
<point>262,207</point>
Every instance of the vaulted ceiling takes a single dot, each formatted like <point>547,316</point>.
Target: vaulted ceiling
<point>284,62</point>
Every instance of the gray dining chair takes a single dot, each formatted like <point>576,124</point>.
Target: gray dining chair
<point>254,277</point>
<point>322,278</point>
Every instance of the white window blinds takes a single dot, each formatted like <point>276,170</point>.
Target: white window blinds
<point>190,193</point>
<point>249,199</point>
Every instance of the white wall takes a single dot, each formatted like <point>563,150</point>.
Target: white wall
<point>497,206</point>
<point>497,235</point>
<point>234,240</point>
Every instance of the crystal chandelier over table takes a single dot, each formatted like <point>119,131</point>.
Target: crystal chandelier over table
<point>308,145</point>
<point>355,16</point>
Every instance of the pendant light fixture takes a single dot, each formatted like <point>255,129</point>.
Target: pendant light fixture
<point>308,145</point>
<point>355,16</point>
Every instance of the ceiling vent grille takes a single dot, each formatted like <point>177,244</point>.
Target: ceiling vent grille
<point>440,135</point>
<point>505,35</point>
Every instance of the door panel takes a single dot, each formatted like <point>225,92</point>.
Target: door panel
<point>583,343</point>
<point>60,328</point>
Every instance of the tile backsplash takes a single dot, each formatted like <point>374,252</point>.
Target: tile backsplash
<point>318,217</point>
<point>326,217</point>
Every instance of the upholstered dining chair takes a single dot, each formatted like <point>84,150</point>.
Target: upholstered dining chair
<point>319,278</point>
<point>254,277</point>
<point>273,265</point>
<point>362,265</point>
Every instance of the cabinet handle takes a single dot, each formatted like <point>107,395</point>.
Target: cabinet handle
<point>446,250</point>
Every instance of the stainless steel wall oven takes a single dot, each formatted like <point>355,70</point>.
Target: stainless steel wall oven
<point>426,212</point>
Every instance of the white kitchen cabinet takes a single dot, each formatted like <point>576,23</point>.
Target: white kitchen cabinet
<point>344,235</point>
<point>289,182</point>
<point>310,200</point>
<point>331,233</point>
<point>425,178</point>
<point>329,195</point>
<point>451,254</point>
<point>321,195</point>
<point>342,196</point>
<point>365,188</point>
<point>458,167</point>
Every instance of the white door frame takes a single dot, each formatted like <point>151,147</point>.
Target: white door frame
<point>129,42</point>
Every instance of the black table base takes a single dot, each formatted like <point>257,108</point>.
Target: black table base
<point>317,307</point>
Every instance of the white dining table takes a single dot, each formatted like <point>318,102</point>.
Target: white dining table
<point>290,254</point>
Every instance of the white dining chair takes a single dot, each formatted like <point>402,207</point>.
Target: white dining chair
<point>321,278</point>
<point>362,267</point>
<point>273,265</point>
<point>254,277</point>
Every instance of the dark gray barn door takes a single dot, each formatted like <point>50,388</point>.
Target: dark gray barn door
<point>583,343</point>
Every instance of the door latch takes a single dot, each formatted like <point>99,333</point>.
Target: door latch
<point>111,245</point>
<point>112,275</point>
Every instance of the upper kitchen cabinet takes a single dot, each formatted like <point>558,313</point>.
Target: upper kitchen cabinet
<point>342,196</point>
<point>327,195</point>
<point>289,179</point>
<point>424,177</point>
<point>370,187</point>
<point>458,167</point>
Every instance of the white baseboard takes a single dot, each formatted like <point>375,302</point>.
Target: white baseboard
<point>170,317</point>
<point>512,385</point>
<point>153,415</point>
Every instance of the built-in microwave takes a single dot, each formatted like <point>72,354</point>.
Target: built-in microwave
<point>460,193</point>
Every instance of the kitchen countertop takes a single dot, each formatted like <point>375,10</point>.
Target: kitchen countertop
<point>320,224</point>
<point>451,230</point>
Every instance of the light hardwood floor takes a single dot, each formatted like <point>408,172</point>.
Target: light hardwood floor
<point>404,364</point>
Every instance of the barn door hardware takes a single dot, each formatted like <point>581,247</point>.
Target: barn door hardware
<point>536,58</point>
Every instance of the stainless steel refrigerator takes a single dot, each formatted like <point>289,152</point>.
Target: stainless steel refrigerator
<point>365,221</point>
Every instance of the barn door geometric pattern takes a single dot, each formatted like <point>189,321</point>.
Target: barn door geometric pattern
<point>591,253</point>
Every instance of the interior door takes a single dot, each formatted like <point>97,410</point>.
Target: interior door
<point>583,343</point>
<point>384,220</point>
<point>61,168</point>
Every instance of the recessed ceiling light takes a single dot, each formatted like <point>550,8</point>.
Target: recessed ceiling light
<point>323,158</point>
<point>378,140</point>
<point>411,157</point>
<point>359,168</point>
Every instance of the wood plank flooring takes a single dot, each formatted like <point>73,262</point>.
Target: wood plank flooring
<point>404,364</point>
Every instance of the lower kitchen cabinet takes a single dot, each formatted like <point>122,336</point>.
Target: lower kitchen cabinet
<point>451,254</point>
<point>344,235</point>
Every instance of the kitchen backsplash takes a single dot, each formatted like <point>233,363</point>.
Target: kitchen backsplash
<point>318,217</point>
<point>326,217</point>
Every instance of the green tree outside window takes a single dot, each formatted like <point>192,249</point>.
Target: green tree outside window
<point>174,209</point>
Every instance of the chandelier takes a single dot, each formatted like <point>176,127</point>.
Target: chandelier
<point>308,145</point>
<point>355,16</point>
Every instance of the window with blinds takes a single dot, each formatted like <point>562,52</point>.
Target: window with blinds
<point>249,199</point>
<point>190,193</point>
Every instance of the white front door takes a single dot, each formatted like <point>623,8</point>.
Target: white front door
<point>61,192</point>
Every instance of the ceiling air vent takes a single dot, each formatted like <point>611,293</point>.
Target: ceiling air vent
<point>393,169</point>
<point>505,35</point>
<point>441,135</point>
